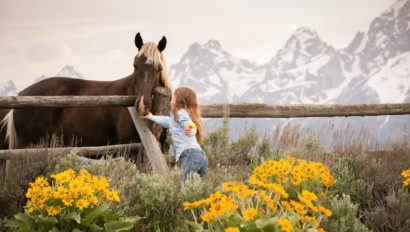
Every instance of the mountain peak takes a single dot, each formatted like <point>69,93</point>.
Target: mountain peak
<point>305,33</point>
<point>7,88</point>
<point>213,44</point>
<point>69,71</point>
<point>395,8</point>
<point>301,47</point>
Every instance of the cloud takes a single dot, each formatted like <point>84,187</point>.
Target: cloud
<point>115,55</point>
<point>47,51</point>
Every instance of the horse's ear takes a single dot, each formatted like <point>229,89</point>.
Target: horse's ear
<point>138,41</point>
<point>162,44</point>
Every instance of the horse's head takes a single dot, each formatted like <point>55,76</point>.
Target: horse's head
<point>150,71</point>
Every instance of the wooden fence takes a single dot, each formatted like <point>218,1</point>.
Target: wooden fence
<point>241,110</point>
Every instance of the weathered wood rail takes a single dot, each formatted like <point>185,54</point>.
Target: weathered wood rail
<point>17,154</point>
<point>240,110</point>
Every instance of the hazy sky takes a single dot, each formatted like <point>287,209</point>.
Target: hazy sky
<point>97,36</point>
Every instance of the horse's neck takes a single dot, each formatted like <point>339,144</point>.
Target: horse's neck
<point>123,86</point>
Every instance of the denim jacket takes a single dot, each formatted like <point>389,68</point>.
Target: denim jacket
<point>180,141</point>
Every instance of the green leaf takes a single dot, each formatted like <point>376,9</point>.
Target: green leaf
<point>96,212</point>
<point>23,222</point>
<point>195,226</point>
<point>54,229</point>
<point>264,222</point>
<point>118,226</point>
<point>73,216</point>
<point>95,227</point>
<point>24,218</point>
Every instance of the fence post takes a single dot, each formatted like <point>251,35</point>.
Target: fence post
<point>151,146</point>
<point>161,105</point>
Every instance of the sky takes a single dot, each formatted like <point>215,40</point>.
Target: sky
<point>97,36</point>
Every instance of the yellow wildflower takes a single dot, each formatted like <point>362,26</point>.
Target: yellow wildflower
<point>190,125</point>
<point>249,214</point>
<point>285,224</point>
<point>53,210</point>
<point>82,203</point>
<point>232,229</point>
<point>325,211</point>
<point>206,217</point>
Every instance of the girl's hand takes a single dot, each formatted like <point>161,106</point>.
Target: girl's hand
<point>188,131</point>
<point>149,115</point>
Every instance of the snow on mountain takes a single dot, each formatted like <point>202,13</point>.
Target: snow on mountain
<point>66,71</point>
<point>392,81</point>
<point>7,88</point>
<point>387,37</point>
<point>373,68</point>
<point>69,71</point>
<point>216,75</point>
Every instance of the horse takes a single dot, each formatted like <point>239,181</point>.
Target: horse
<point>95,126</point>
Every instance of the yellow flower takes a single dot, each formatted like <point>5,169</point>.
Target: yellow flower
<point>76,184</point>
<point>285,225</point>
<point>232,229</point>
<point>31,207</point>
<point>40,182</point>
<point>206,217</point>
<point>229,186</point>
<point>64,176</point>
<point>405,173</point>
<point>308,195</point>
<point>111,195</point>
<point>249,214</point>
<point>60,193</point>
<point>82,203</point>
<point>47,192</point>
<point>93,200</point>
<point>217,209</point>
<point>325,211</point>
<point>190,125</point>
<point>287,205</point>
<point>54,210</point>
<point>310,219</point>
<point>87,190</point>
<point>298,207</point>
<point>187,205</point>
<point>101,184</point>
<point>67,200</point>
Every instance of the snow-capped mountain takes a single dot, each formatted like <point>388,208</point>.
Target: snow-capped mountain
<point>67,71</point>
<point>303,71</point>
<point>373,68</point>
<point>212,71</point>
<point>7,88</point>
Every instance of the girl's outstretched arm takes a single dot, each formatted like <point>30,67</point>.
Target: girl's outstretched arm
<point>164,121</point>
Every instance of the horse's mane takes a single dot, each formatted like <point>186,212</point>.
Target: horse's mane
<point>154,57</point>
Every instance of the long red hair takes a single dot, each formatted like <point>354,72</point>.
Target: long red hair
<point>185,98</point>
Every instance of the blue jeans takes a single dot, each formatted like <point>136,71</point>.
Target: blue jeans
<point>191,161</point>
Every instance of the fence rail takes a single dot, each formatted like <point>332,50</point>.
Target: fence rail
<point>17,154</point>
<point>240,110</point>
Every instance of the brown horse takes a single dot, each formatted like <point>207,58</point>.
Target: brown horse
<point>90,126</point>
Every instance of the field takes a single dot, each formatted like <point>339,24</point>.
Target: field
<point>367,195</point>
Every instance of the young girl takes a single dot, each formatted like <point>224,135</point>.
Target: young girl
<point>186,128</point>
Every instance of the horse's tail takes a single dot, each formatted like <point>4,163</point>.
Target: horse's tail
<point>11,134</point>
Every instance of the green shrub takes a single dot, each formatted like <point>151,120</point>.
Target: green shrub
<point>390,214</point>
<point>344,217</point>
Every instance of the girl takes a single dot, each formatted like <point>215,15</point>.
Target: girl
<point>185,117</point>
